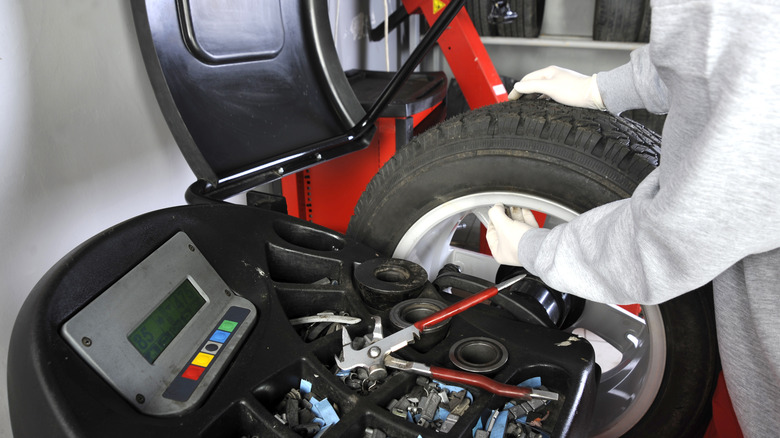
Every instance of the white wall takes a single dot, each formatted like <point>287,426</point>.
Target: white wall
<point>83,144</point>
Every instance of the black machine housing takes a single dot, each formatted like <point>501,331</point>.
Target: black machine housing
<point>287,268</point>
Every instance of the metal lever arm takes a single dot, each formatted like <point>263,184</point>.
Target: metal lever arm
<point>481,381</point>
<point>476,380</point>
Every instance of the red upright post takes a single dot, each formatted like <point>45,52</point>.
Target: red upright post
<point>466,55</point>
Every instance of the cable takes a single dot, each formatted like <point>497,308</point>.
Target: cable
<point>336,26</point>
<point>387,31</point>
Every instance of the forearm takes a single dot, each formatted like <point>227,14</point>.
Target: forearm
<point>687,222</point>
<point>616,254</point>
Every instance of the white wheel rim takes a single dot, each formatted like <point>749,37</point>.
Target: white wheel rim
<point>626,391</point>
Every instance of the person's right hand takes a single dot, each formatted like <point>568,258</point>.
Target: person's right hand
<point>504,232</point>
<point>561,85</point>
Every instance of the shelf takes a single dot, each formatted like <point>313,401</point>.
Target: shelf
<point>561,42</point>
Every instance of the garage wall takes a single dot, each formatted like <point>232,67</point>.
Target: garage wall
<point>83,144</point>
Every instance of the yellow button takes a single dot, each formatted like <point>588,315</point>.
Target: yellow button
<point>203,359</point>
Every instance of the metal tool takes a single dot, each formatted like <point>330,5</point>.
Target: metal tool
<point>376,355</point>
<point>472,379</point>
<point>325,317</point>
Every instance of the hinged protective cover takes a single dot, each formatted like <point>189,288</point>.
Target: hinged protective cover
<point>244,84</point>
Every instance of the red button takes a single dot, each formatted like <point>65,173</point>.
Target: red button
<point>193,372</point>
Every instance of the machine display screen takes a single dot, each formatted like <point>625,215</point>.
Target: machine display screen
<point>154,334</point>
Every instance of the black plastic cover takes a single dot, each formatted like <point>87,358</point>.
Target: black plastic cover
<point>244,83</point>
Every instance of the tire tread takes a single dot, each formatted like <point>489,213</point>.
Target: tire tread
<point>629,149</point>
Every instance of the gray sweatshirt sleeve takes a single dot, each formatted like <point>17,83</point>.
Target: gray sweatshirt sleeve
<point>634,85</point>
<point>715,198</point>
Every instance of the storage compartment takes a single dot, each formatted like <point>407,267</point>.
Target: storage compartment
<point>240,419</point>
<point>307,237</point>
<point>289,265</point>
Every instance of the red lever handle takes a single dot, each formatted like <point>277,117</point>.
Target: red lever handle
<point>456,308</point>
<point>481,381</point>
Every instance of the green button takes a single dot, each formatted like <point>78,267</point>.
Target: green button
<point>228,325</point>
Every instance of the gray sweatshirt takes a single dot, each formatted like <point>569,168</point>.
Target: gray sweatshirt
<point>711,210</point>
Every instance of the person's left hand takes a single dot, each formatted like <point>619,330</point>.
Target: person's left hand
<point>504,232</point>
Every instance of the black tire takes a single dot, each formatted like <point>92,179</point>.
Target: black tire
<point>618,20</point>
<point>456,104</point>
<point>456,101</point>
<point>529,19</point>
<point>574,157</point>
<point>653,122</point>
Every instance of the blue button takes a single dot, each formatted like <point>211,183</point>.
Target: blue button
<point>219,336</point>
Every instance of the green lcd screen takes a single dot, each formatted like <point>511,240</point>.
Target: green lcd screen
<point>154,334</point>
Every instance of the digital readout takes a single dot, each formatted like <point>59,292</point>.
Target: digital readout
<point>154,334</point>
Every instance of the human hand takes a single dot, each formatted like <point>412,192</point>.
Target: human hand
<point>504,232</point>
<point>561,85</point>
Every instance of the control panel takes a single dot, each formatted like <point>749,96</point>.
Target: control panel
<point>164,332</point>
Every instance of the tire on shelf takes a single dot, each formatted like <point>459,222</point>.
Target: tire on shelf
<point>529,19</point>
<point>644,28</point>
<point>618,20</point>
<point>478,11</point>
<point>567,158</point>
